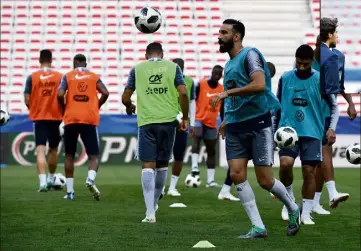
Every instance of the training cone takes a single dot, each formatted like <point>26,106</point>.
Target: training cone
<point>177,205</point>
<point>204,244</point>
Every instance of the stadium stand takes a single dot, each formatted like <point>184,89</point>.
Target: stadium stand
<point>105,33</point>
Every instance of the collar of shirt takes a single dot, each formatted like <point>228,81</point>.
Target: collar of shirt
<point>154,59</point>
<point>46,69</point>
<point>327,46</point>
<point>81,69</point>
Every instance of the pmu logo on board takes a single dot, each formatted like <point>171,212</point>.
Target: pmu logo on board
<point>23,150</point>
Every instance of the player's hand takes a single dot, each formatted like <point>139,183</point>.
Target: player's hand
<point>183,125</point>
<point>218,98</point>
<point>191,131</point>
<point>222,130</point>
<point>130,109</point>
<point>351,112</point>
<point>331,137</point>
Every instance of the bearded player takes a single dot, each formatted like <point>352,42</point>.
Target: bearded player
<point>205,127</point>
<point>180,142</point>
<point>40,97</point>
<point>248,125</point>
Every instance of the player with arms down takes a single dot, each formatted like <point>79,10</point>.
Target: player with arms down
<point>40,97</point>
<point>248,125</point>
<point>160,89</point>
<point>81,117</point>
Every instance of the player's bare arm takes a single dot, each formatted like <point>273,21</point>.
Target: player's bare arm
<point>61,100</point>
<point>104,91</point>
<point>351,110</point>
<point>27,91</point>
<point>27,99</point>
<point>127,102</point>
<point>257,85</point>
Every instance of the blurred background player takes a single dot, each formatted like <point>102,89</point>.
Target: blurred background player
<point>301,85</point>
<point>248,125</point>
<point>272,69</point>
<point>205,127</point>
<point>180,143</point>
<point>160,90</point>
<point>44,110</point>
<point>325,172</point>
<point>81,117</point>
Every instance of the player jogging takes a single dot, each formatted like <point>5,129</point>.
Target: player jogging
<point>302,109</point>
<point>205,126</point>
<point>325,174</point>
<point>40,97</point>
<point>180,143</point>
<point>160,89</point>
<point>81,117</point>
<point>248,126</point>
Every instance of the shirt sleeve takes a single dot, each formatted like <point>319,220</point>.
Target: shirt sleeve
<point>253,63</point>
<point>131,80</point>
<point>178,80</point>
<point>331,75</point>
<point>28,85</point>
<point>63,83</point>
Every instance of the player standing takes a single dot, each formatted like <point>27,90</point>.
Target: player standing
<point>81,117</point>
<point>302,106</point>
<point>44,110</point>
<point>180,143</point>
<point>160,89</point>
<point>325,174</point>
<point>248,126</point>
<point>205,126</point>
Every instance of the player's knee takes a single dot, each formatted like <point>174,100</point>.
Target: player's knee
<point>196,145</point>
<point>286,163</point>
<point>53,151</point>
<point>308,173</point>
<point>238,176</point>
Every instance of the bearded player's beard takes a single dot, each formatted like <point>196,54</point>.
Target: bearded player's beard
<point>226,46</point>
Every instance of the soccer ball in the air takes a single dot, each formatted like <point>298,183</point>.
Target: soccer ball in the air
<point>4,117</point>
<point>353,154</point>
<point>148,20</point>
<point>285,137</point>
<point>192,181</point>
<point>59,181</point>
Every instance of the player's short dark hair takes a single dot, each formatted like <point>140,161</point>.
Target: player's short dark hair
<point>46,56</point>
<point>80,58</point>
<point>217,67</point>
<point>178,61</point>
<point>154,48</point>
<point>327,26</point>
<point>305,52</point>
<point>237,26</point>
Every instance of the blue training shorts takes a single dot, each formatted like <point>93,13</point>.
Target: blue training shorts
<point>309,149</point>
<point>155,142</point>
<point>88,134</point>
<point>251,139</point>
<point>47,131</point>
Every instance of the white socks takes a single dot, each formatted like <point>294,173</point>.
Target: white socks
<point>91,175</point>
<point>195,158</point>
<point>316,199</point>
<point>281,192</point>
<point>173,182</point>
<point>210,175</point>
<point>50,176</point>
<point>331,187</point>
<point>247,199</point>
<point>307,207</point>
<point>70,185</point>
<point>148,185</point>
<point>290,191</point>
<point>42,179</point>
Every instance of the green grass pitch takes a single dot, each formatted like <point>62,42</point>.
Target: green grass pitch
<point>45,221</point>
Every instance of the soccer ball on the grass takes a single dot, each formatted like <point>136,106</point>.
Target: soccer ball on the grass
<point>148,20</point>
<point>59,181</point>
<point>4,117</point>
<point>192,181</point>
<point>353,154</point>
<point>285,137</point>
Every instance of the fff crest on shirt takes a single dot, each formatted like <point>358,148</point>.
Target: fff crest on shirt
<point>82,86</point>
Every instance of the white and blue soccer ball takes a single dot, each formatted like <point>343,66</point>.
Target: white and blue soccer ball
<point>285,137</point>
<point>59,181</point>
<point>4,117</point>
<point>353,154</point>
<point>148,20</point>
<point>192,181</point>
